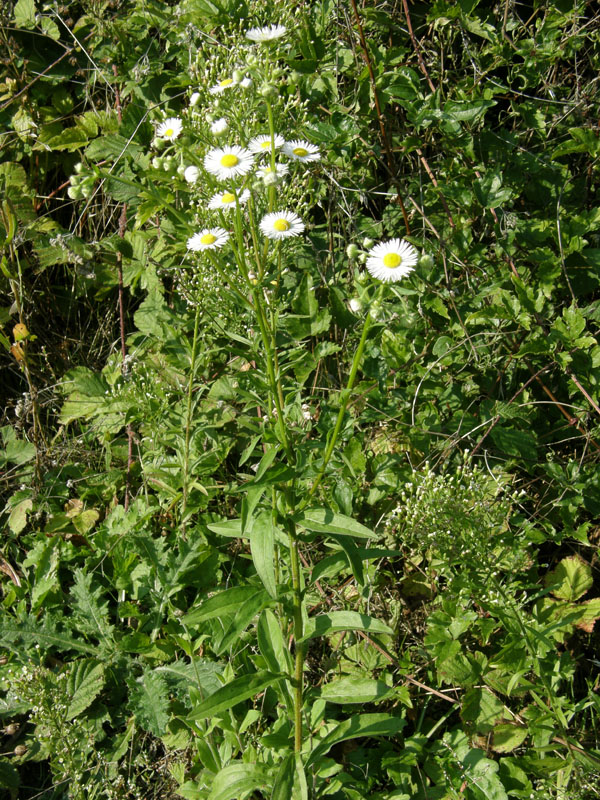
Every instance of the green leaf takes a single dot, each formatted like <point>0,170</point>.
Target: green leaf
<point>235,692</point>
<point>481,709</point>
<point>17,519</point>
<point>271,642</point>
<point>356,727</point>
<point>222,604</point>
<point>15,451</point>
<point>85,682</point>
<point>514,442</point>
<point>323,520</point>
<point>262,547</point>
<point>571,579</point>
<point>244,616</point>
<point>284,780</point>
<point>24,15</point>
<point>355,690</point>
<point>507,737</point>
<point>90,610</point>
<point>354,557</point>
<point>239,779</point>
<point>325,624</point>
<point>149,701</point>
<point>46,636</point>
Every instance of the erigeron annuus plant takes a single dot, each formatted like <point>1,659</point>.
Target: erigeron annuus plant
<point>245,181</point>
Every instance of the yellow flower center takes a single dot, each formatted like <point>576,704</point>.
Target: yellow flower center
<point>208,238</point>
<point>265,145</point>
<point>300,151</point>
<point>226,82</point>
<point>281,225</point>
<point>169,132</point>
<point>391,260</point>
<point>229,160</point>
<point>228,198</point>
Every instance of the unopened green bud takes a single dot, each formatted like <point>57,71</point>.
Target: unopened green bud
<point>368,243</point>
<point>426,261</point>
<point>251,60</point>
<point>375,310</point>
<point>157,162</point>
<point>78,167</point>
<point>268,90</point>
<point>237,75</point>
<point>352,251</point>
<point>75,192</point>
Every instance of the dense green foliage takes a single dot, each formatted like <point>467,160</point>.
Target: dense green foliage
<point>272,530</point>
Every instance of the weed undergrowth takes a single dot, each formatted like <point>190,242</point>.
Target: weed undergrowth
<point>300,437</point>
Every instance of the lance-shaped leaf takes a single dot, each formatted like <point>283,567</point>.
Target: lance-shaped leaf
<point>323,520</point>
<point>354,728</point>
<point>237,691</point>
<point>325,624</point>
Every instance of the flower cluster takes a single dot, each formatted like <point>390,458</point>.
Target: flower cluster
<point>269,157</point>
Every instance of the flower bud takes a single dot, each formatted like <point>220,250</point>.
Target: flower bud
<point>78,167</point>
<point>355,305</point>
<point>375,310</point>
<point>352,251</point>
<point>20,750</point>
<point>74,192</point>
<point>268,90</point>
<point>237,76</point>
<point>271,179</point>
<point>368,243</point>
<point>157,162</point>
<point>426,261</point>
<point>251,60</point>
<point>195,99</point>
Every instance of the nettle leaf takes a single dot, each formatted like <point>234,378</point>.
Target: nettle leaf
<point>571,579</point>
<point>30,634</point>
<point>84,684</point>
<point>149,702</point>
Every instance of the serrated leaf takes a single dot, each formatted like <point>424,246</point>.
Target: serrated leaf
<point>85,682</point>
<point>235,692</point>
<point>571,579</point>
<point>46,636</point>
<point>90,610</point>
<point>24,14</point>
<point>481,709</point>
<point>326,624</point>
<point>149,701</point>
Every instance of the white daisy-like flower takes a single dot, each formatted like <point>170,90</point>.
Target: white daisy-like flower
<point>208,239</point>
<point>301,151</point>
<point>226,83</point>
<point>219,126</point>
<point>281,225</point>
<point>267,172</point>
<point>227,199</point>
<point>391,261</point>
<point>170,128</point>
<point>266,34</point>
<point>228,162</point>
<point>191,174</point>
<point>262,144</point>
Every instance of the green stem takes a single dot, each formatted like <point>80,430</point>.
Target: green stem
<point>298,633</point>
<point>344,402</point>
<point>188,417</point>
